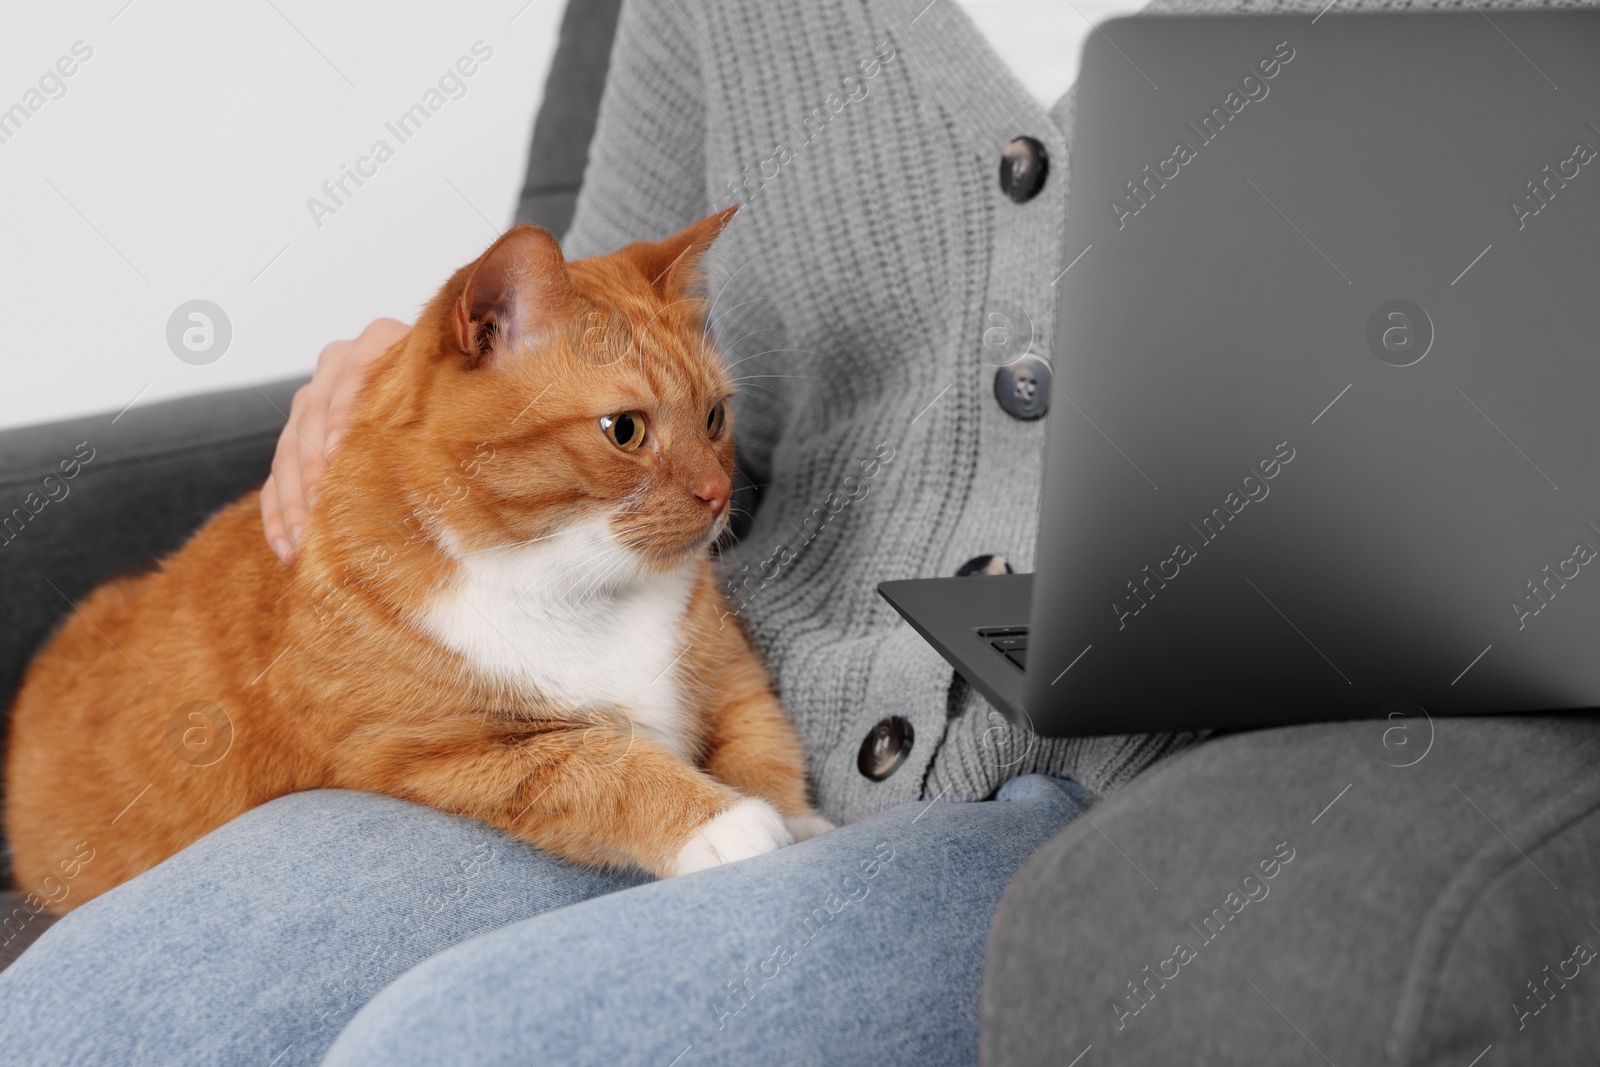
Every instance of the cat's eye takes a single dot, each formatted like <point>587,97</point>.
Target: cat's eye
<point>717,420</point>
<point>624,429</point>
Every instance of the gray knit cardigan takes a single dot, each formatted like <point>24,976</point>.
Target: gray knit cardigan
<point>863,139</point>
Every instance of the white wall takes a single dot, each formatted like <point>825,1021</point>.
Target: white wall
<point>178,163</point>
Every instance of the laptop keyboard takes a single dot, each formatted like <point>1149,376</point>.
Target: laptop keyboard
<point>1009,641</point>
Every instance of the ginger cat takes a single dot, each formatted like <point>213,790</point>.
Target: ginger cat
<point>502,607</point>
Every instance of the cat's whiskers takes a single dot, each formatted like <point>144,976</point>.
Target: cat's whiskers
<point>707,338</point>
<point>510,545</point>
<point>727,282</point>
<point>548,585</point>
<point>763,388</point>
<point>601,581</point>
<point>621,533</point>
<point>714,322</point>
<point>778,351</point>
<point>566,577</point>
<point>750,483</point>
<point>729,347</point>
<point>600,570</point>
<point>602,561</point>
<point>644,331</point>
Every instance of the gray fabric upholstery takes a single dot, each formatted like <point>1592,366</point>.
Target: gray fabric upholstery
<point>21,925</point>
<point>1404,930</point>
<point>559,152</point>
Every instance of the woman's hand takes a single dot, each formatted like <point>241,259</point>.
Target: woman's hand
<point>317,420</point>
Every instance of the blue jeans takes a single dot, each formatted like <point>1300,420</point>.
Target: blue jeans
<point>347,928</point>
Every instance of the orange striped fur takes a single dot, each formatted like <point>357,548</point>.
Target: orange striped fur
<point>422,644</point>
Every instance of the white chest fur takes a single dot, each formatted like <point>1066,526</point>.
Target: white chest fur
<point>569,618</point>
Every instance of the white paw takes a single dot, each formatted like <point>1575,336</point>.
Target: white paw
<point>749,828</point>
<point>805,827</point>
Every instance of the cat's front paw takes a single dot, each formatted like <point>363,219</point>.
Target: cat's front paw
<point>805,827</point>
<point>749,828</point>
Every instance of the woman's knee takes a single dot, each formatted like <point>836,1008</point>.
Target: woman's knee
<point>290,918</point>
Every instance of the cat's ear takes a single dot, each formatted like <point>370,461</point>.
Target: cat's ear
<point>673,264</point>
<point>517,288</point>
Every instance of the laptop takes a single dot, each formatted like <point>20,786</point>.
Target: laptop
<point>1325,431</point>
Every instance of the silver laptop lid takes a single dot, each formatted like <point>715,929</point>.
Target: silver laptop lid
<point>1330,338</point>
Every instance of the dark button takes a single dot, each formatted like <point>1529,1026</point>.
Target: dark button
<point>885,748</point>
<point>983,565</point>
<point>1023,387</point>
<point>1024,164</point>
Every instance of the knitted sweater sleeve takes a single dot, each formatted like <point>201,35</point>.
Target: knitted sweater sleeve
<point>646,177</point>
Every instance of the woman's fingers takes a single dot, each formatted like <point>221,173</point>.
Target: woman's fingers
<point>321,411</point>
<point>272,520</point>
<point>345,387</point>
<point>292,512</point>
<point>310,430</point>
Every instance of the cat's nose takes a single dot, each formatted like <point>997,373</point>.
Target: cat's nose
<point>715,491</point>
